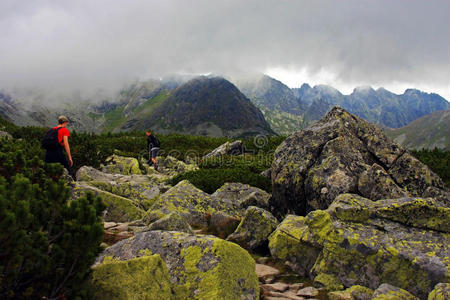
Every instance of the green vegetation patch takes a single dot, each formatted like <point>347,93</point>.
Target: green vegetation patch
<point>209,180</point>
<point>114,119</point>
<point>438,160</point>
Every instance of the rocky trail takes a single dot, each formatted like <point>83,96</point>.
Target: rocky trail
<point>352,216</point>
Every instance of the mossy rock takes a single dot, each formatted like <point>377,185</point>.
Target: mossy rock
<point>425,213</point>
<point>122,165</point>
<point>288,243</point>
<point>328,282</point>
<point>242,195</point>
<point>194,205</point>
<point>375,184</point>
<point>389,292</point>
<point>440,292</point>
<point>339,154</point>
<point>200,266</point>
<point>359,242</point>
<point>356,292</point>
<point>144,277</point>
<point>118,209</point>
<point>172,222</point>
<point>142,189</point>
<point>254,229</point>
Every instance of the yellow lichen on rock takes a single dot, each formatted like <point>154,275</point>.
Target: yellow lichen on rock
<point>144,277</point>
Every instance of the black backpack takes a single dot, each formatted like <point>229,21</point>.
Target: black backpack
<point>50,139</point>
<point>156,142</point>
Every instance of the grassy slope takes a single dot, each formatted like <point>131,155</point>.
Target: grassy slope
<point>282,122</point>
<point>428,132</point>
<point>114,119</point>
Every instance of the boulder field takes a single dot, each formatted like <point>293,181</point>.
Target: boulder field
<point>352,215</point>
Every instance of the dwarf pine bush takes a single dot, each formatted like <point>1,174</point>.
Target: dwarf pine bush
<point>47,243</point>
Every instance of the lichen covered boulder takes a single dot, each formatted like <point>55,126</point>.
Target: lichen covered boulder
<point>387,291</point>
<point>440,292</point>
<point>6,135</point>
<point>242,195</point>
<point>343,154</point>
<point>403,242</point>
<point>254,229</point>
<point>228,148</point>
<point>194,205</point>
<point>200,267</point>
<point>171,166</point>
<point>356,292</point>
<point>288,243</point>
<point>141,189</point>
<point>172,222</point>
<point>144,277</point>
<point>116,164</point>
<point>118,208</point>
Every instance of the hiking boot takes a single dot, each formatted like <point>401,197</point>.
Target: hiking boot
<point>156,167</point>
<point>149,162</point>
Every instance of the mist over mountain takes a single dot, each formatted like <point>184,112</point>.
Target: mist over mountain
<point>208,105</point>
<point>272,94</point>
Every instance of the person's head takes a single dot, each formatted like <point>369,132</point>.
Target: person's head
<point>63,121</point>
<point>148,132</point>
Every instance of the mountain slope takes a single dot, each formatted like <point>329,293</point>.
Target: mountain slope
<point>427,132</point>
<point>265,91</point>
<point>204,106</point>
<point>376,106</point>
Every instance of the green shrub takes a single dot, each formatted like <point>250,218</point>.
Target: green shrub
<point>47,244</point>
<point>438,160</point>
<point>253,163</point>
<point>209,180</point>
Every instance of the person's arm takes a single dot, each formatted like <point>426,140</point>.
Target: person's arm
<point>67,148</point>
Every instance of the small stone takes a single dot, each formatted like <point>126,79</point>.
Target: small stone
<point>121,227</point>
<point>264,271</point>
<point>286,295</point>
<point>296,286</point>
<point>263,260</point>
<point>125,234</point>
<point>308,292</point>
<point>276,287</point>
<point>108,225</point>
<point>268,280</point>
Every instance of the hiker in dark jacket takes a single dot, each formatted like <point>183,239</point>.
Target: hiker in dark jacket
<point>55,154</point>
<point>153,148</point>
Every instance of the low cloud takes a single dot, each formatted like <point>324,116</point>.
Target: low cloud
<point>94,44</point>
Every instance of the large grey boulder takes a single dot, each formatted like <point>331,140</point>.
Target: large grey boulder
<point>200,266</point>
<point>387,291</point>
<point>127,197</point>
<point>254,229</point>
<point>241,195</point>
<point>196,207</point>
<point>229,148</point>
<point>141,189</point>
<point>344,154</point>
<point>403,242</point>
<point>5,135</point>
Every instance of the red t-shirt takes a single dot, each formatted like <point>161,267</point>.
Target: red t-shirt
<point>62,133</point>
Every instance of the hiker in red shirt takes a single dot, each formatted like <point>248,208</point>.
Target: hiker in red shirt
<point>55,154</point>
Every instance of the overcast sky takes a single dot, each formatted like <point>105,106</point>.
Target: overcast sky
<point>104,43</point>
